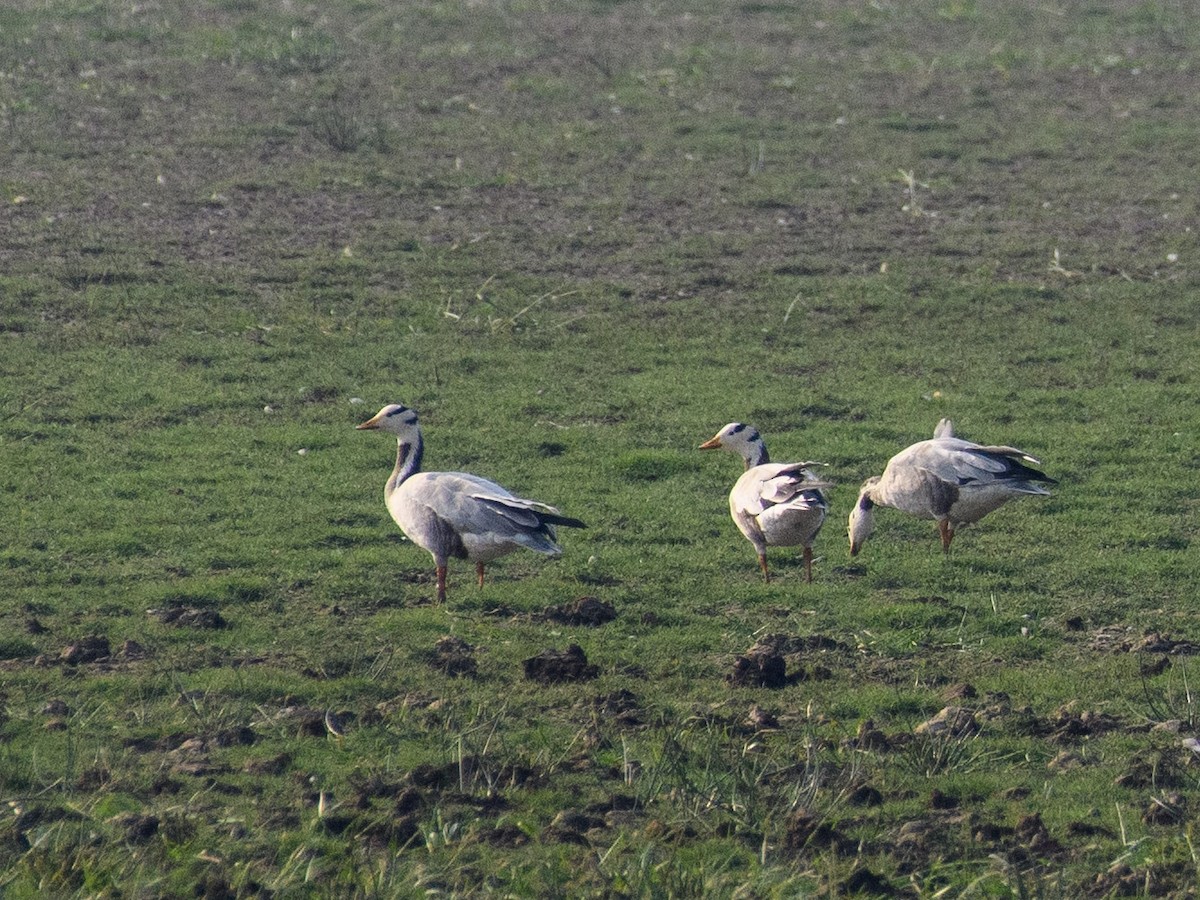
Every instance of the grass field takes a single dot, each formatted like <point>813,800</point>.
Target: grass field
<point>579,239</point>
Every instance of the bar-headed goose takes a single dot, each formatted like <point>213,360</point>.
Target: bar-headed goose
<point>950,480</point>
<point>772,504</point>
<point>454,514</point>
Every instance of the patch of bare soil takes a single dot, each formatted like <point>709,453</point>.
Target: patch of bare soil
<point>273,765</point>
<point>189,617</point>
<point>1034,839</point>
<point>454,656</point>
<point>949,827</point>
<point>138,828</point>
<point>1126,639</point>
<point>473,771</point>
<point>588,611</point>
<point>385,811</point>
<point>1159,769</point>
<point>572,827</point>
<point>93,648</point>
<point>310,722</point>
<point>766,663</point>
<point>1068,725</point>
<point>871,738</point>
<point>384,825</point>
<point>551,666</point>
<point>1169,809</point>
<point>1165,879</point>
<point>760,666</point>
<point>863,882</point>
<point>620,707</point>
<point>807,831</point>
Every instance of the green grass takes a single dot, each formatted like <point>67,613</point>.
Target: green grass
<point>579,241</point>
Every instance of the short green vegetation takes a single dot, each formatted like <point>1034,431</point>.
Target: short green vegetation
<point>579,239</point>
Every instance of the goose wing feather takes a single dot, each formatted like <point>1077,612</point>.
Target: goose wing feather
<point>775,484</point>
<point>530,514</point>
<point>961,462</point>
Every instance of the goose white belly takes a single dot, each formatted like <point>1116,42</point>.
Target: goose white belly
<point>976,501</point>
<point>789,524</point>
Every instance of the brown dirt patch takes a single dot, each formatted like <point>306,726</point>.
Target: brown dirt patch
<point>560,665</point>
<point>588,611</point>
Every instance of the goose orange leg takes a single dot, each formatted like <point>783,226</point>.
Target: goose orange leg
<point>946,532</point>
<point>762,564</point>
<point>479,572</point>
<point>808,564</point>
<point>441,584</point>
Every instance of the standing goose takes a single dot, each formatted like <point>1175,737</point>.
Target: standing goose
<point>953,481</point>
<point>772,504</point>
<point>454,513</point>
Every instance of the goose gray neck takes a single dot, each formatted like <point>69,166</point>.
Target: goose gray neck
<point>870,493</point>
<point>408,461</point>
<point>756,454</point>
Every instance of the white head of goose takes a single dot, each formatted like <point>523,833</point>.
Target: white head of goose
<point>953,481</point>
<point>772,504</point>
<point>455,514</point>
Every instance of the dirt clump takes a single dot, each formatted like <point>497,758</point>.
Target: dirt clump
<point>93,648</point>
<point>551,666</point>
<point>189,617</point>
<point>1066,725</point>
<point>138,828</point>
<point>586,611</point>
<point>865,795</point>
<point>454,656</point>
<point>867,883</point>
<point>766,663</point>
<point>761,666</point>
<point>1159,769</point>
<point>1035,837</point>
<point>571,827</point>
<point>869,737</point>
<point>271,765</point>
<point>806,830</point>
<point>621,707</point>
<point>955,721</point>
<point>1167,810</point>
<point>132,651</point>
<point>961,691</point>
<point>1124,639</point>
<point>761,719</point>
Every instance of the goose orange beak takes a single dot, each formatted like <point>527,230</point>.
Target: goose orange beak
<point>711,444</point>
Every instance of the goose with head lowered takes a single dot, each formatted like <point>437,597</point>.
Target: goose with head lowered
<point>455,514</point>
<point>772,504</point>
<point>950,480</point>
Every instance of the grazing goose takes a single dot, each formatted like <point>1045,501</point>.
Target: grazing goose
<point>456,514</point>
<point>772,504</point>
<point>953,481</point>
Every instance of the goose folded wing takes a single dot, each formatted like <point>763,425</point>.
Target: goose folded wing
<point>790,483</point>
<point>987,464</point>
<point>529,514</point>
